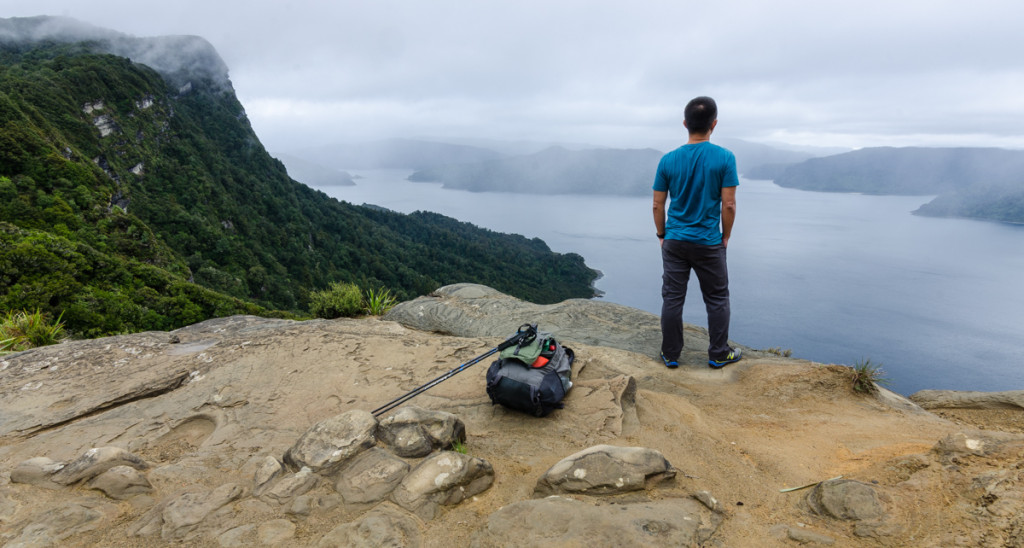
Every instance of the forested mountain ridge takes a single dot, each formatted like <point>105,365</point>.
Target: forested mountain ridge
<point>133,200</point>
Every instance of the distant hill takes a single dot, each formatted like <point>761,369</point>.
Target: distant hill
<point>314,174</point>
<point>394,154</point>
<point>132,199</point>
<point>909,171</point>
<point>554,171</point>
<point>984,183</point>
<point>752,157</point>
<point>1003,203</point>
<point>593,170</point>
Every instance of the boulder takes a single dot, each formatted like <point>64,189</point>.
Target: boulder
<point>180,518</point>
<point>558,521</point>
<point>292,486</point>
<point>275,532</point>
<point>371,477</point>
<point>269,470</point>
<point>121,482</point>
<point>414,432</point>
<point>384,527</point>
<point>37,471</point>
<point>301,506</point>
<point>96,461</point>
<point>960,444</point>
<point>605,470</point>
<point>444,479</point>
<point>329,444</point>
<point>846,500</point>
<point>238,537</point>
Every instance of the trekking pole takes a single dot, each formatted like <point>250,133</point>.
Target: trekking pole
<point>526,334</point>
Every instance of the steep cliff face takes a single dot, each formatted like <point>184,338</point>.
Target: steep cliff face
<point>139,150</point>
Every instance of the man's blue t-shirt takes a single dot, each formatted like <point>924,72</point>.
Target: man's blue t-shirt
<point>694,175</point>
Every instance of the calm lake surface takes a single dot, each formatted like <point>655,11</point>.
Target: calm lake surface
<point>836,278</point>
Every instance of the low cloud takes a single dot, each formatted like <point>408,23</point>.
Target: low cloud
<point>909,73</point>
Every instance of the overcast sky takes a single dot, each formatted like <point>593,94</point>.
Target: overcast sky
<point>610,73</point>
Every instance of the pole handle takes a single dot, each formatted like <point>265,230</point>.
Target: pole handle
<point>525,335</point>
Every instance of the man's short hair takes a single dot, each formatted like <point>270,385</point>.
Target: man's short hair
<point>700,113</point>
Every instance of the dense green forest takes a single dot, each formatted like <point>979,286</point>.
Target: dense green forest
<point>128,203</point>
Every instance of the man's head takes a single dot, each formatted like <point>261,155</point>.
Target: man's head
<point>700,115</point>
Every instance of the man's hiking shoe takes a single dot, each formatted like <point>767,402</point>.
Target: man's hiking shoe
<point>732,357</point>
<point>671,364</point>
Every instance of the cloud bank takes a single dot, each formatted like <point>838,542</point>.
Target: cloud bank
<point>869,73</point>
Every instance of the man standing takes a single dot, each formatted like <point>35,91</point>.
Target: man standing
<point>701,179</point>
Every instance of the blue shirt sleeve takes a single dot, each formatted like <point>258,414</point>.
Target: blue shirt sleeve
<point>660,181</point>
<point>729,178</point>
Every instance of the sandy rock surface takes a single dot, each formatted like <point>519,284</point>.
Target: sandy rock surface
<point>195,426</point>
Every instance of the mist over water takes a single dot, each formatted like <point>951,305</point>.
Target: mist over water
<point>837,278</point>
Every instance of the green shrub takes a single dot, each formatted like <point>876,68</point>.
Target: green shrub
<point>379,302</point>
<point>21,330</point>
<point>337,301</point>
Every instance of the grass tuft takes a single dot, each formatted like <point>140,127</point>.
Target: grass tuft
<point>867,376</point>
<point>778,351</point>
<point>459,447</point>
<point>20,330</point>
<point>379,302</point>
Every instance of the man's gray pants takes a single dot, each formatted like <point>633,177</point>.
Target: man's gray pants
<point>708,262</point>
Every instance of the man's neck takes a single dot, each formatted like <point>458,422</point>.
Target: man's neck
<point>699,138</point>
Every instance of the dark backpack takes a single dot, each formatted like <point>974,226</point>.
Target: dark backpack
<point>532,377</point>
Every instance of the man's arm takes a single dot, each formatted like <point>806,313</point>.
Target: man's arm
<point>728,213</point>
<point>659,213</point>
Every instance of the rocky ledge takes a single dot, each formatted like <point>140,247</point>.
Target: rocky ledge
<point>245,431</point>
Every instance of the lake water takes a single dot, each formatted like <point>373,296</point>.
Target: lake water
<point>836,278</point>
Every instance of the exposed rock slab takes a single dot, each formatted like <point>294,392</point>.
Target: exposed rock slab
<point>940,399</point>
<point>222,401</point>
<point>54,526</point>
